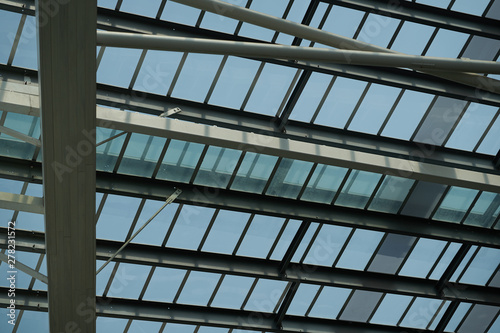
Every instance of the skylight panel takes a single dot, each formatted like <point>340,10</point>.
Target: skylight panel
<point>330,302</point>
<point>285,240</point>
<point>117,66</point>
<point>455,204</point>
<point>494,11</point>
<point>289,178</point>
<point>30,221</point>
<point>175,12</point>
<point>190,227</point>
<point>177,328</point>
<point>39,285</point>
<point>378,29</point>
<point>23,280</point>
<point>391,253</point>
<point>435,3</point>
<point>342,21</point>
<point>374,108</point>
<point>464,263</point>
<point>156,230</point>
<point>485,211</point>
<point>457,317</point>
<point>340,102</point>
<point>302,299</point>
<point>421,312</point>
<point>270,89</point>
<point>164,284</point>
<point>479,318</point>
<point>391,194</point>
<point>310,97</point>
<point>254,172</point>
<point>144,326</point>
<point>232,292</point>
<point>198,288</point>
<point>10,186</point>
<point>209,329</point>
<point>196,76</point>
<point>491,142</point>
<point>225,232</point>
<point>422,258</point>
<point>103,277</point>
<point>306,240</point>
<point>496,326</point>
<point>14,147</point>
<point>444,261</point>
<point>157,71</point>
<point>260,236</point>
<point>475,8</point>
<point>33,321</point>
<point>412,38</point>
<point>111,4</point>
<point>111,325</point>
<point>128,281</point>
<point>391,309</point>
<point>482,267</point>
<point>327,245</point>
<point>8,29</point>
<point>423,199</point>
<point>217,167</point>
<point>471,126</point>
<point>358,189</point>
<point>141,155</point>
<point>273,8</point>
<point>482,48</point>
<point>234,81</point>
<point>324,183</point>
<point>360,306</point>
<point>180,161</point>
<point>265,295</point>
<point>220,23</point>
<point>145,8</point>
<point>116,217</point>
<point>447,44</point>
<point>26,54</point>
<point>360,249</point>
<point>107,153</point>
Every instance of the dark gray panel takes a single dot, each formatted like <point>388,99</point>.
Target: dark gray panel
<point>423,199</point>
<point>391,254</point>
<point>482,48</point>
<point>494,11</point>
<point>479,319</point>
<point>361,306</point>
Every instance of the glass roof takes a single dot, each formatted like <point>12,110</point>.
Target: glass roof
<point>307,94</point>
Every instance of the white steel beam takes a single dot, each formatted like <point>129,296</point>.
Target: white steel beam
<point>21,202</point>
<point>67,76</point>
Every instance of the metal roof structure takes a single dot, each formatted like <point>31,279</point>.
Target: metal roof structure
<point>250,166</point>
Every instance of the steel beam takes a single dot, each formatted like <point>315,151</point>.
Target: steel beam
<point>21,202</point>
<point>139,254</point>
<point>201,315</point>
<point>428,15</point>
<point>66,61</point>
<point>23,268</point>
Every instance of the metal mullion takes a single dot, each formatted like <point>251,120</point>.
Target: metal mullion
<point>497,221</point>
<point>254,164</point>
<point>37,268</point>
<point>452,2</point>
<point>488,6</point>
<point>118,5</point>
<point>252,85</point>
<point>486,131</point>
<point>16,40</point>
<point>306,20</point>
<point>181,287</point>
<point>2,119</point>
<point>298,84</point>
<point>341,186</point>
<point>162,328</point>
<point>198,165</point>
<point>195,330</point>
<point>236,168</point>
<point>200,18</point>
<point>122,152</point>
<point>408,196</point>
<point>497,270</point>
<point>452,267</point>
<point>146,284</point>
<point>160,9</point>
<point>412,247</point>
<point>440,201</point>
<point>422,120</point>
<point>137,69</point>
<point>315,298</point>
<point>455,125</point>
<point>136,218</point>
<point>396,33</point>
<point>171,227</point>
<point>277,239</point>
<point>250,291</point>
<point>351,294</point>
<point>127,327</point>
<point>99,56</point>
<point>101,206</point>
<point>310,244</point>
<point>286,98</point>
<point>374,254</point>
<point>294,245</point>
<point>284,302</point>
<point>492,322</point>
<point>18,321</point>
<point>306,182</point>
<point>217,76</point>
<point>320,175</point>
<point>323,99</point>
<point>376,307</point>
<point>214,293</point>
<point>283,295</point>
<point>406,311</point>
<point>183,153</point>
<point>391,111</point>
<point>209,228</point>
<point>467,265</point>
<point>344,246</point>
<point>111,278</point>
<point>471,206</point>
<point>429,42</point>
<point>177,73</point>
<point>464,318</point>
<point>436,262</point>
<point>360,26</point>
<point>243,234</point>
<point>271,176</point>
<point>436,314</point>
<point>219,158</point>
<point>466,45</point>
<point>375,191</point>
<point>23,191</point>
<point>160,159</point>
<point>450,311</point>
<point>358,104</point>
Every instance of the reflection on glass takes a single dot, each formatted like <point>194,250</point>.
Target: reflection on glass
<point>217,167</point>
<point>421,312</point>
<point>422,257</point>
<point>391,194</point>
<point>180,161</point>
<point>391,254</point>
<point>360,306</point>
<point>479,318</point>
<point>289,178</point>
<point>455,204</point>
<point>358,188</point>
<point>285,239</point>
<point>445,260</point>
<point>141,155</point>
<point>13,147</point>
<point>360,249</point>
<point>107,153</point>
<point>324,183</point>
<point>254,172</point>
<point>482,267</point>
<point>485,210</point>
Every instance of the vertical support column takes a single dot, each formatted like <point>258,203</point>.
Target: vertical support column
<point>67,74</point>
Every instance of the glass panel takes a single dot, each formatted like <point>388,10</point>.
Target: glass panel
<point>208,329</point>
<point>225,232</point>
<point>463,263</point>
<point>180,161</point>
<point>111,4</point>
<point>457,317</point>
<point>440,315</point>
<point>155,232</point>
<point>391,194</point>
<point>340,102</point>
<point>289,178</point>
<point>254,172</point>
<point>10,23</point>
<point>435,3</point>
<point>455,204</point>
<point>157,71</point>
<point>198,288</point>
<point>491,142</point>
<point>476,8</point>
<point>360,249</point>
<point>391,309</point>
<point>391,254</point>
<point>270,89</point>
<point>310,97</point>
<point>260,236</point>
<point>412,38</point>
<point>128,281</point>
<point>164,284</point>
<point>144,326</point>
<point>374,108</point>
<point>324,183</point>
<point>422,257</point>
<point>145,8</point>
<point>482,267</point>
<point>327,245</point>
<point>116,217</point>
<point>378,29</point>
<point>117,66</point>
<point>265,295</point>
<point>196,76</point>
<point>285,240</point>
<point>445,261</point>
<point>217,167</point>
<point>190,227</point>
<point>27,53</point>
<point>33,321</point>
<point>273,8</point>
<point>305,242</point>
<point>423,199</point>
<point>421,312</point>
<point>358,189</point>
<point>330,302</point>
<point>175,12</point>
<point>218,23</point>
<point>103,277</point>
<point>479,318</point>
<point>141,155</point>
<point>31,221</point>
<point>111,325</point>
<point>447,44</point>
<point>496,326</point>
<point>485,210</point>
<point>13,147</point>
<point>302,299</point>
<point>232,292</point>
<point>234,81</point>
<point>107,153</point>
<point>343,21</point>
<point>495,281</point>
<point>178,328</point>
<point>361,306</point>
